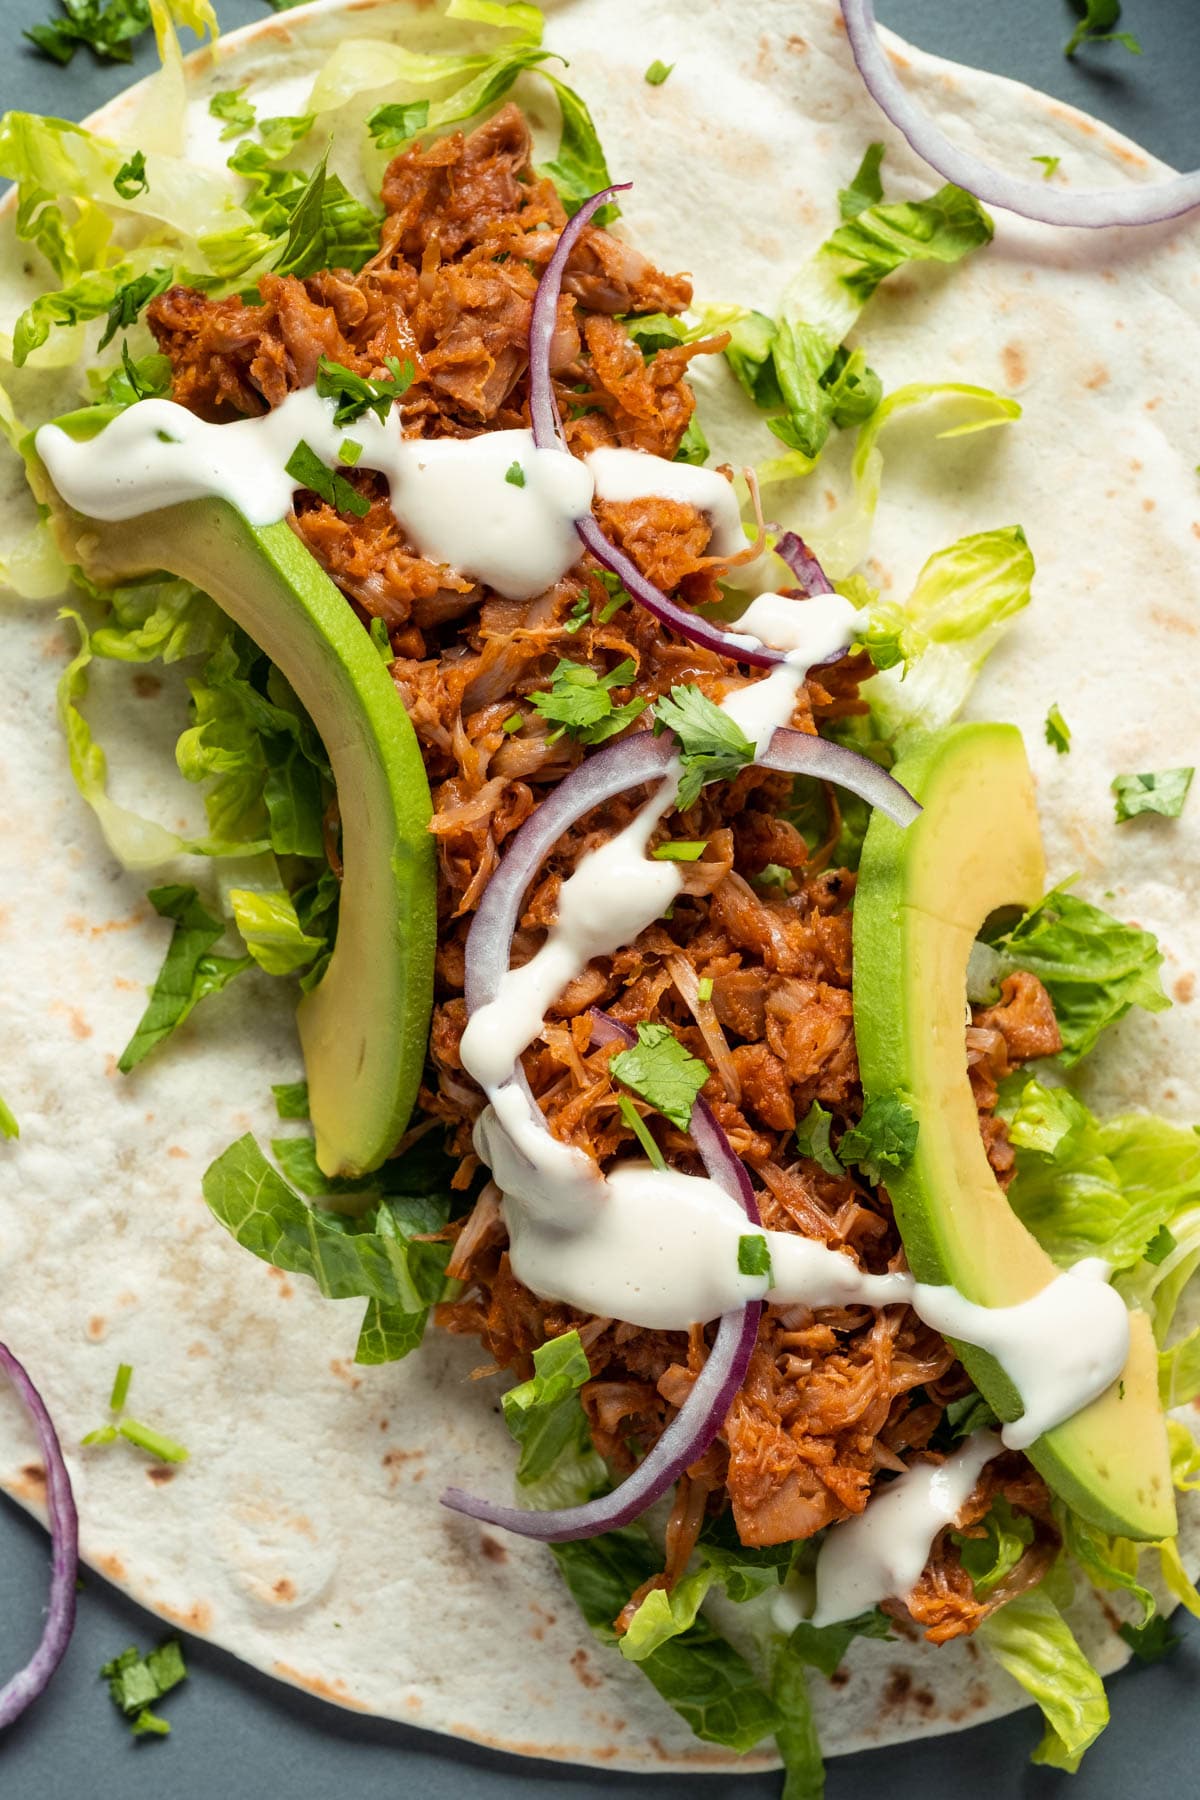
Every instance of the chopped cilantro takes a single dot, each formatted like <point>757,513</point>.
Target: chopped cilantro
<point>704,988</point>
<point>391,126</point>
<point>657,73</point>
<point>1058,732</point>
<point>238,112</point>
<point>1152,1641</point>
<point>107,27</point>
<point>618,596</point>
<point>137,1682</point>
<point>162,1449</point>
<point>1162,791</point>
<point>128,301</point>
<point>1096,21</point>
<point>640,1130</point>
<point>579,701</point>
<point>812,1139</point>
<point>291,1099</point>
<point>661,1072</point>
<point>1049,164</point>
<point>381,640</point>
<point>681,850</point>
<point>754,1255</point>
<point>8,1122</point>
<point>712,745</point>
<point>356,395</point>
<point>308,471</point>
<point>349,451</point>
<point>579,615</point>
<point>513,723</point>
<point>130,179</point>
<point>515,475</point>
<point>103,1434</point>
<point>1160,1245</point>
<point>884,1138</point>
<point>120,1387</point>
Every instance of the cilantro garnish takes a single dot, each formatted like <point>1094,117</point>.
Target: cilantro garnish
<point>1096,21</point>
<point>356,395</point>
<point>349,451</point>
<point>381,640</point>
<point>812,1139</point>
<point>513,723</point>
<point>579,615</point>
<point>1161,791</point>
<point>1049,164</point>
<point>657,73</point>
<point>661,1072</point>
<point>515,475</point>
<point>238,113</point>
<point>149,378</point>
<point>1058,732</point>
<point>866,189</point>
<point>704,988</point>
<point>684,850</point>
<point>712,746</point>
<point>618,595</point>
<point>128,301</point>
<point>308,471</point>
<point>391,126</point>
<point>9,1127</point>
<point>136,1682</point>
<point>130,179</point>
<point>161,1448</point>
<point>884,1138</point>
<point>640,1130</point>
<point>754,1255</point>
<point>1160,1245</point>
<point>107,27</point>
<point>579,701</point>
<point>120,1387</point>
<point>1152,1641</point>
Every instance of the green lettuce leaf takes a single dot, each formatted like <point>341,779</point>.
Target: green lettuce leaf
<point>378,1254</point>
<point>543,1414</point>
<point>990,1557</point>
<point>662,1616</point>
<point>272,931</point>
<point>1094,967</point>
<point>1109,1563</point>
<point>578,168</point>
<point>823,1647</point>
<point>1032,1641</point>
<point>189,974</point>
<point>796,1733</point>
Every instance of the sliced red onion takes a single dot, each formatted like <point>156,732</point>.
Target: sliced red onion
<point>1138,205</point>
<point>803,753</point>
<point>29,1682</point>
<point>793,550</point>
<point>543,408</point>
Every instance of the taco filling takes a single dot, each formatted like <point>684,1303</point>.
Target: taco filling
<point>728,1110</point>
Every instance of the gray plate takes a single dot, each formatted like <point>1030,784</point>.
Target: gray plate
<point>238,1734</point>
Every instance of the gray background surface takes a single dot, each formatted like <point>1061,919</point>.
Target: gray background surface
<point>237,1734</point>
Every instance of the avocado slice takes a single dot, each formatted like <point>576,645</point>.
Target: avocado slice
<point>922,897</point>
<point>364,1029</point>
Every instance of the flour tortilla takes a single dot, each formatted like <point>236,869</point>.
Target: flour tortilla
<point>305,1534</point>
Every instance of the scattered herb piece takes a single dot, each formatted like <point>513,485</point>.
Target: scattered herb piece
<point>130,179</point>
<point>704,988</point>
<point>104,1434</point>
<point>291,1099</point>
<point>391,126</point>
<point>129,301</point>
<point>1096,21</point>
<point>661,1072</point>
<point>866,189</point>
<point>356,395</point>
<point>515,475</point>
<point>237,112</point>
<point>120,1387</point>
<point>680,850</point>
<point>712,745</point>
<point>640,1130</point>
<point>1152,1641</point>
<point>137,1682</point>
<point>1058,732</point>
<point>1160,1245</point>
<point>619,596</point>
<point>149,378</point>
<point>162,1449</point>
<point>579,701</point>
<point>308,471</point>
<point>326,227</point>
<point>381,640</point>
<point>812,1139</point>
<point>657,73</point>
<point>8,1123</point>
<point>579,615</point>
<point>884,1138</point>
<point>107,27</point>
<point>513,723</point>
<point>754,1255</point>
<point>1161,791</point>
<point>1049,164</point>
<point>349,451</point>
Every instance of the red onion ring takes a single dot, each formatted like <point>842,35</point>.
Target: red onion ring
<point>1031,199</point>
<point>793,550</point>
<point>543,408</point>
<point>25,1686</point>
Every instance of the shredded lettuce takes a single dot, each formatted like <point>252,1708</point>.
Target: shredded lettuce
<point>1094,967</point>
<point>189,974</point>
<point>543,1414</point>
<point>380,1254</point>
<point>990,1556</point>
<point>1032,1641</point>
<point>796,1733</point>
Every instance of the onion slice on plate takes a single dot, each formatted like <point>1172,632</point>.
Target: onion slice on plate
<point>1135,205</point>
<point>25,1686</point>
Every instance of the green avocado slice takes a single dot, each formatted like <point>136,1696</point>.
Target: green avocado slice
<point>364,1029</point>
<point>922,897</point>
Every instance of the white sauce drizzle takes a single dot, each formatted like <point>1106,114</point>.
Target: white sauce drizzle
<point>880,1554</point>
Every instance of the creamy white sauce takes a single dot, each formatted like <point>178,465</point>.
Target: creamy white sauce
<point>450,494</point>
<point>633,474</point>
<point>880,1554</point>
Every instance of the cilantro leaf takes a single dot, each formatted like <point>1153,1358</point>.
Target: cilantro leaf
<point>515,475</point>
<point>130,179</point>
<point>543,1414</point>
<point>712,746</point>
<point>657,73</point>
<point>356,395</point>
<point>127,303</point>
<point>238,112</point>
<point>812,1139</point>
<point>1161,791</point>
<point>1058,732</point>
<point>162,1449</point>
<point>661,1072</point>
<point>579,701</point>
<point>884,1138</point>
<point>136,1682</point>
<point>754,1255</point>
<point>107,27</point>
<point>1097,18</point>
<point>1152,1641</point>
<point>1049,165</point>
<point>391,126</point>
<point>641,1131</point>
<point>308,471</point>
<point>9,1127</point>
<point>189,972</point>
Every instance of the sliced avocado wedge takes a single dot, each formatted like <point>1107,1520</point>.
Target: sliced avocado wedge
<point>364,1028</point>
<point>922,897</point>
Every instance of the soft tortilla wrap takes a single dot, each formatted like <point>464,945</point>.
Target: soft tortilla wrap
<point>305,1533</point>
